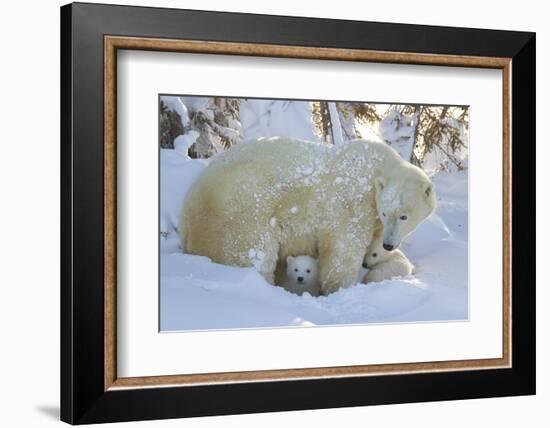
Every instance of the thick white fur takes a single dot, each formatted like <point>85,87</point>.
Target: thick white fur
<point>265,200</point>
<point>384,264</point>
<point>306,268</point>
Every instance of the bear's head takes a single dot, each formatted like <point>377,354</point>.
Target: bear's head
<point>302,270</point>
<point>403,201</point>
<point>376,253</point>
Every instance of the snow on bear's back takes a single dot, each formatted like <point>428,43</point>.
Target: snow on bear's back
<point>263,168</point>
<point>307,163</point>
<point>271,150</point>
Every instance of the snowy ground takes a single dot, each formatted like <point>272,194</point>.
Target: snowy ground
<point>198,294</point>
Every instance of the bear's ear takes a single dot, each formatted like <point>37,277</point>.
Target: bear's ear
<point>289,259</point>
<point>428,191</point>
<point>380,183</point>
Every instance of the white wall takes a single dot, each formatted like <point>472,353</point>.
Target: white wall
<point>29,232</point>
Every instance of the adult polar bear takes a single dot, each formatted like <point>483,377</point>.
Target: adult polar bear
<point>270,198</point>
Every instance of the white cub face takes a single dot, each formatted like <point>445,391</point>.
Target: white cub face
<point>403,203</point>
<point>302,269</point>
<point>376,253</point>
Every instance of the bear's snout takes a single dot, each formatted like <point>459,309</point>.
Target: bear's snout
<point>300,279</point>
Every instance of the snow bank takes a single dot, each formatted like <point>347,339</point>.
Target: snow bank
<point>177,173</point>
<point>198,294</point>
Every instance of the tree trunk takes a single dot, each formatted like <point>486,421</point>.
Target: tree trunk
<point>415,160</point>
<point>326,122</point>
<point>336,127</point>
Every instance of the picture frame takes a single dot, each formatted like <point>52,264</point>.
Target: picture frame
<point>91,35</point>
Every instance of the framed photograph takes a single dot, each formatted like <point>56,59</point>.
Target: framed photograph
<point>266,213</point>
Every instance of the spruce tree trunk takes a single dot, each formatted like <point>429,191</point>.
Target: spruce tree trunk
<point>416,160</point>
<point>326,123</point>
<point>337,136</point>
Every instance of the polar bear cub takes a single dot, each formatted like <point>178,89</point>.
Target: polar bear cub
<point>302,275</point>
<point>382,264</point>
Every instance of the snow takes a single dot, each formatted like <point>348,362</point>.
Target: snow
<point>176,104</point>
<point>196,293</point>
<point>184,141</point>
<point>260,118</point>
<point>398,130</point>
<point>197,104</point>
<point>437,159</point>
<point>177,174</point>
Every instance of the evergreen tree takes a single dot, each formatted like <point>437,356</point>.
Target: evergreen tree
<point>431,137</point>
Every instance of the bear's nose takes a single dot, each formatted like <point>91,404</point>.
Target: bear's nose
<point>300,278</point>
<point>387,247</point>
<point>365,265</point>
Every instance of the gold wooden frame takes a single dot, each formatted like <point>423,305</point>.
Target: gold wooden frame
<point>113,43</point>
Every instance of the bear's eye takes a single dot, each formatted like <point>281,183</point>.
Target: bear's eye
<point>374,254</point>
<point>308,271</point>
<point>403,217</point>
<point>295,270</point>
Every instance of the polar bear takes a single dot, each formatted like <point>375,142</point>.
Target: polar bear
<point>302,275</point>
<point>383,264</point>
<point>266,199</point>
